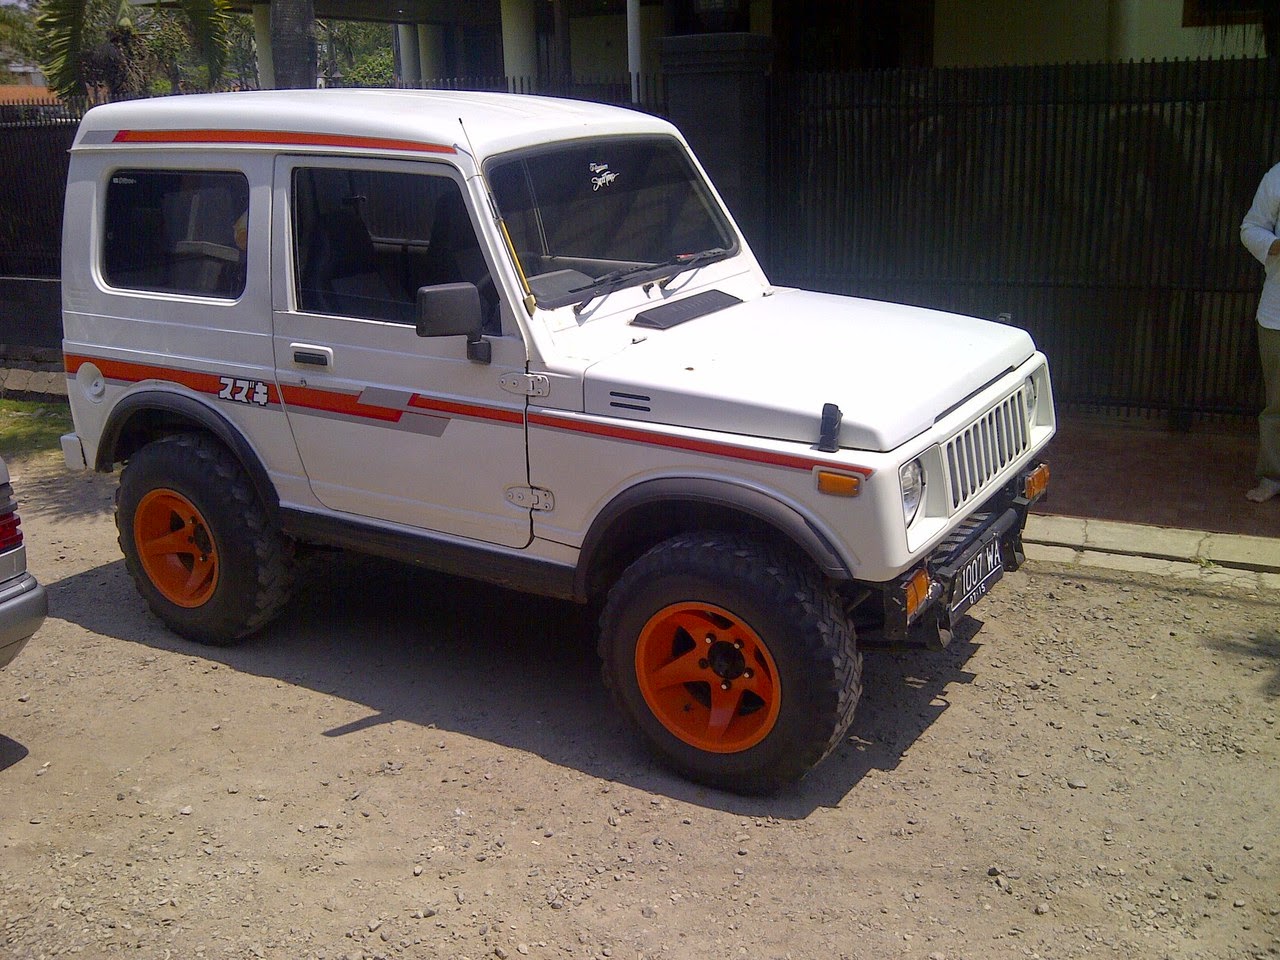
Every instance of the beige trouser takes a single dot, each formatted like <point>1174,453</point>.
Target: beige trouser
<point>1269,419</point>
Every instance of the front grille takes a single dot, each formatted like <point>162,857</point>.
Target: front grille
<point>984,448</point>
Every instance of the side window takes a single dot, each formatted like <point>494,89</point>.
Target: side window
<point>176,231</point>
<point>366,240</point>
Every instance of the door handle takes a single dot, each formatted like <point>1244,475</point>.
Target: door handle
<point>307,355</point>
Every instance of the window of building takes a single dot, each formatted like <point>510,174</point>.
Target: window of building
<point>177,231</point>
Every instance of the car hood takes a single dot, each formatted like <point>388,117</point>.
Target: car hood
<point>766,367</point>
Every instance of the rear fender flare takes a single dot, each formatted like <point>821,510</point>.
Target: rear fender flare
<point>178,412</point>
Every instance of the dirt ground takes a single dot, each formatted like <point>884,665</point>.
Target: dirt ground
<point>407,765</point>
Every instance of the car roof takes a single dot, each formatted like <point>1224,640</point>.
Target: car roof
<point>434,121</point>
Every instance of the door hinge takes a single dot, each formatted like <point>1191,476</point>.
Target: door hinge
<point>531,498</point>
<point>526,384</point>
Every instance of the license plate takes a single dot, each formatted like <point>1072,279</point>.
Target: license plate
<point>979,572</point>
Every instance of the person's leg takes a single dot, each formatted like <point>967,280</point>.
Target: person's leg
<point>1269,420</point>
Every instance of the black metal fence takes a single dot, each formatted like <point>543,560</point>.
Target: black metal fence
<point>34,140</point>
<point>1099,205</point>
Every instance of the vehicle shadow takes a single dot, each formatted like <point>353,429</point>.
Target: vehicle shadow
<point>11,752</point>
<point>46,488</point>
<point>457,655</point>
<point>1263,645</point>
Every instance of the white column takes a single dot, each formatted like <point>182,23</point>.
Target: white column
<point>519,38</point>
<point>1121,23</point>
<point>407,44</point>
<point>633,47</point>
<point>431,51</point>
<point>262,40</point>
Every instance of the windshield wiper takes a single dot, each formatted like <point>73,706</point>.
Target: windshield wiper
<point>688,261</point>
<point>608,282</point>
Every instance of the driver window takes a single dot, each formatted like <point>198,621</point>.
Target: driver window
<point>366,240</point>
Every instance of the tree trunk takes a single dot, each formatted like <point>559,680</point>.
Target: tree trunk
<point>293,43</point>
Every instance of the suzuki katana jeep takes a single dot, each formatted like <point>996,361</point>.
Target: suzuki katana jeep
<point>522,340</point>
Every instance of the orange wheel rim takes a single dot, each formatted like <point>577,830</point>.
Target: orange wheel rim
<point>177,552</point>
<point>708,677</point>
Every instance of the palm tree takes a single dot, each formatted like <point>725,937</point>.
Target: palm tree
<point>67,26</point>
<point>17,34</point>
<point>293,43</point>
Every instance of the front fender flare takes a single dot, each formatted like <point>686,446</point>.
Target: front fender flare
<point>698,492</point>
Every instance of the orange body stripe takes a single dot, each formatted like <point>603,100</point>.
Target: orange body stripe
<point>332,402</point>
<point>349,404</point>
<point>135,372</point>
<point>419,402</point>
<point>278,138</point>
<point>732,451</point>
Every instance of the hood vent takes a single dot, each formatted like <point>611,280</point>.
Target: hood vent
<point>681,311</point>
<point>629,401</point>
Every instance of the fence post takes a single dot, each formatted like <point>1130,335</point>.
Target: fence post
<point>718,97</point>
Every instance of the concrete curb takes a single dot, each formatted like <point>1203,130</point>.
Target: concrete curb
<point>1216,558</point>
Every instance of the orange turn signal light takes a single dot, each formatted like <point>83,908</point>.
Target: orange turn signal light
<point>839,484</point>
<point>917,592</point>
<point>1036,483</point>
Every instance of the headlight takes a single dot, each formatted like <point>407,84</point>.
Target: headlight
<point>1031,397</point>
<point>912,477</point>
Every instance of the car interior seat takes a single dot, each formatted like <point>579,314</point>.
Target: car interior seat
<point>340,273</point>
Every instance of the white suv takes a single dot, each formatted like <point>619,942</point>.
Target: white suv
<point>521,340</point>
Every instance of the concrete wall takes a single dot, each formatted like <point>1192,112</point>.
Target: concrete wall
<point>997,32</point>
<point>1153,30</point>
<point>599,44</point>
<point>969,33</point>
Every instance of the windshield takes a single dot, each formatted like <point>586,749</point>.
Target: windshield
<point>589,217</point>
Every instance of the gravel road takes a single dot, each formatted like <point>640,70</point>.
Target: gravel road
<point>411,766</point>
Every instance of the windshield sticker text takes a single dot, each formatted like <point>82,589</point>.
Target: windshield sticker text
<point>603,176</point>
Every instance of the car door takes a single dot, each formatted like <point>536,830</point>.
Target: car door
<point>390,425</point>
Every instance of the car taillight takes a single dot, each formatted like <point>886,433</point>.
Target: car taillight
<point>10,531</point>
<point>10,534</point>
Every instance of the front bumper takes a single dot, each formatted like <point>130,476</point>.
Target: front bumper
<point>925,604</point>
<point>23,607</point>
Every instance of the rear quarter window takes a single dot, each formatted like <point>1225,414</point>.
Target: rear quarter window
<point>176,231</point>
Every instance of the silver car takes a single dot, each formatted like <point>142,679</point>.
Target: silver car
<point>23,602</point>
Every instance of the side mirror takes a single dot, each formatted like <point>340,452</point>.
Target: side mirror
<point>453,310</point>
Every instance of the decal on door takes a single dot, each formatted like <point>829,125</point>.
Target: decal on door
<point>244,391</point>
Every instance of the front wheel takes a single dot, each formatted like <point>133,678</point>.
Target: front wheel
<point>733,658</point>
<point>197,541</point>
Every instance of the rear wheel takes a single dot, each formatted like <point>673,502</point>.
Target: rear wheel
<point>197,541</point>
<point>733,658</point>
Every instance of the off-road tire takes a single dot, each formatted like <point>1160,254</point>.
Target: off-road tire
<point>248,563</point>
<point>760,599</point>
